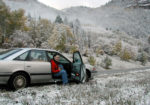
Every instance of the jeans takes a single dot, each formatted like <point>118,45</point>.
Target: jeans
<point>63,74</point>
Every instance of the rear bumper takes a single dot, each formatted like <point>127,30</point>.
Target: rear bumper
<point>4,77</point>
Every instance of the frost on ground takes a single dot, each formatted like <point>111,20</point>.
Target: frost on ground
<point>118,89</point>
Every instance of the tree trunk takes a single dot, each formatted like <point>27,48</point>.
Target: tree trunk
<point>137,3</point>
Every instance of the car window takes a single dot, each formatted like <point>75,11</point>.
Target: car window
<point>7,53</point>
<point>51,54</point>
<point>77,58</point>
<point>61,60</point>
<point>38,55</point>
<point>22,57</point>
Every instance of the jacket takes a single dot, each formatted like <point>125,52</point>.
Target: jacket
<point>54,67</point>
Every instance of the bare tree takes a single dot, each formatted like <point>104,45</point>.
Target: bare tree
<point>149,39</point>
<point>137,3</point>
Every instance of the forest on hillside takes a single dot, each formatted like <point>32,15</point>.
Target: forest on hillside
<point>18,30</point>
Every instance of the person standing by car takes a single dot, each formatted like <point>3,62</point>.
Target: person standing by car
<point>58,69</point>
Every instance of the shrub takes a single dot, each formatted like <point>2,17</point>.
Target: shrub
<point>107,49</point>
<point>106,62</point>
<point>117,48</point>
<point>86,53</point>
<point>99,51</point>
<point>142,57</point>
<point>126,54</point>
<point>73,49</point>
<point>19,39</point>
<point>92,60</point>
<point>61,44</point>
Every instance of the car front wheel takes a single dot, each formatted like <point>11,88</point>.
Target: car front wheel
<point>18,81</point>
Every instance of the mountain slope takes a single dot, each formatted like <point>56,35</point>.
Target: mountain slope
<point>34,8</point>
<point>114,16</point>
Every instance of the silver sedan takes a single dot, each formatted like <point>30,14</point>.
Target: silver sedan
<point>24,66</point>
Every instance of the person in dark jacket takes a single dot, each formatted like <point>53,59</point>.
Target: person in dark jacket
<point>58,69</point>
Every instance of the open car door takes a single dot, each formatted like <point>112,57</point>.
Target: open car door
<point>78,71</point>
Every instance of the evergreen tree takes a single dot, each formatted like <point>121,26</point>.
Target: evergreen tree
<point>142,57</point>
<point>58,19</point>
<point>29,17</point>
<point>106,62</point>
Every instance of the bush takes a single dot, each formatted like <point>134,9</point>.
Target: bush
<point>142,57</point>
<point>99,51</point>
<point>92,60</point>
<point>73,49</point>
<point>106,62</point>
<point>117,48</point>
<point>86,53</point>
<point>61,44</point>
<point>107,49</point>
<point>19,39</point>
<point>126,55</point>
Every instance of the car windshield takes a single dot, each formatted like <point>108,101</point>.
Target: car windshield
<point>7,53</point>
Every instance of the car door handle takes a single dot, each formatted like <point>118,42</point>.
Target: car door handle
<point>28,66</point>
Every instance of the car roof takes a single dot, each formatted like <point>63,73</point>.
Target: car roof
<point>37,49</point>
<point>27,49</point>
<point>46,50</point>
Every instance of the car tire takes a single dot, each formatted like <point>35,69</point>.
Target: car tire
<point>18,81</point>
<point>87,78</point>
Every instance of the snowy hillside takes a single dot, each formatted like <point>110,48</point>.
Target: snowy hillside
<point>114,15</point>
<point>34,8</point>
<point>109,30</point>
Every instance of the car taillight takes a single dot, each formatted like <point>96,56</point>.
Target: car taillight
<point>94,69</point>
<point>77,74</point>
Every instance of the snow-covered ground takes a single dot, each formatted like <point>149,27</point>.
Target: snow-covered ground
<point>118,89</point>
<point>118,64</point>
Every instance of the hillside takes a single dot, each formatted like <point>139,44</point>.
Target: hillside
<point>34,8</point>
<point>95,30</point>
<point>113,16</point>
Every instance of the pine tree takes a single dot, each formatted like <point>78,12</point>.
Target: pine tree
<point>142,57</point>
<point>106,62</point>
<point>58,19</point>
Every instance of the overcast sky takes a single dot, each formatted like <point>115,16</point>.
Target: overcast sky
<point>61,4</point>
